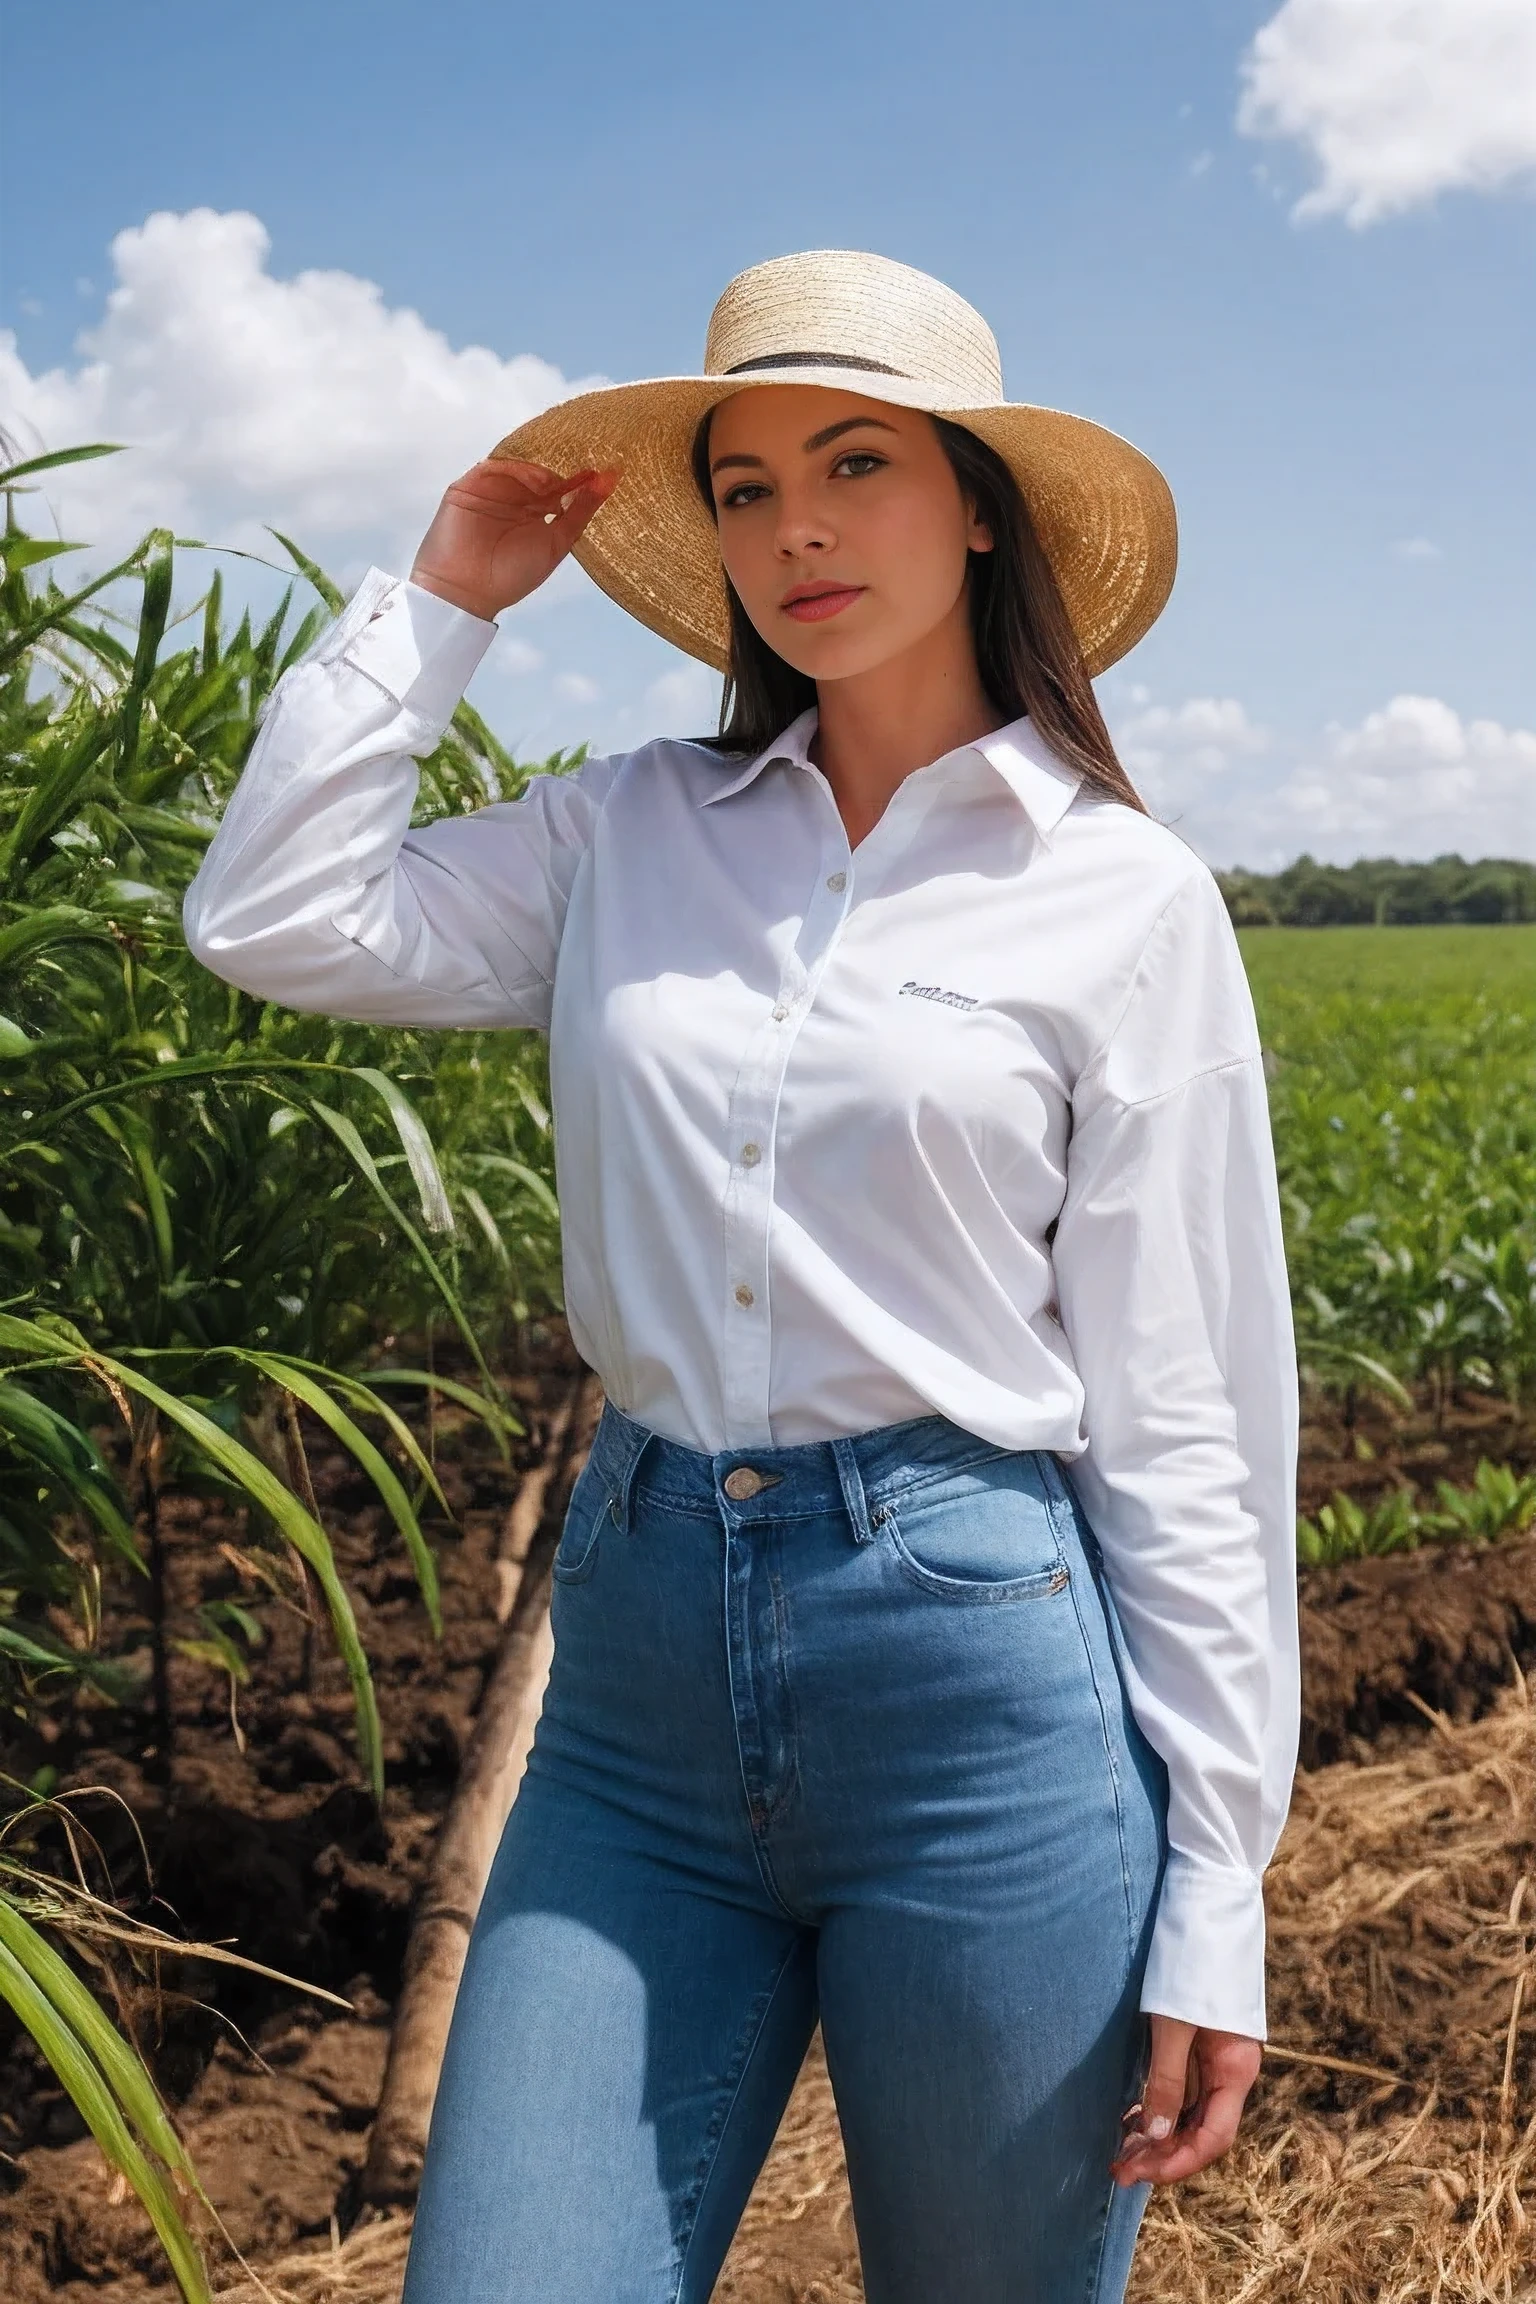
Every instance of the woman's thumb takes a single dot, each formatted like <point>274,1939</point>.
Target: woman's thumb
<point>1162,2095</point>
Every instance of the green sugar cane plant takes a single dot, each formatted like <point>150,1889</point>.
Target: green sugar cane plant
<point>211,1210</point>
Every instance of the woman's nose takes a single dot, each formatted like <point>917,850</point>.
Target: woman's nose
<point>801,527</point>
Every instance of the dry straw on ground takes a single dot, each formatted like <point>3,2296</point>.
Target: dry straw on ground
<point>1403,1934</point>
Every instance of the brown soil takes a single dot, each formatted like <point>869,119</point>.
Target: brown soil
<point>279,1849</point>
<point>1366,1447</point>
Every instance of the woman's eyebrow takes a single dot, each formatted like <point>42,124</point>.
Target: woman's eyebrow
<point>848,424</point>
<point>816,440</point>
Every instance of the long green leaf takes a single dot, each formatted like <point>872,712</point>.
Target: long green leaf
<point>124,2071</point>
<point>56,609</point>
<point>528,1177</point>
<point>70,1455</point>
<point>153,611</point>
<point>491,1412</point>
<point>41,931</point>
<point>416,1145</point>
<point>346,1135</point>
<point>298,1526</point>
<point>294,1378</point>
<point>300,1529</point>
<point>48,1654</point>
<point>57,456</point>
<point>88,2089</point>
<point>353,1388</point>
<point>307,567</point>
<point>31,551</point>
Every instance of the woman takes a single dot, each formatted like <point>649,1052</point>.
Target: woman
<point>925,1636</point>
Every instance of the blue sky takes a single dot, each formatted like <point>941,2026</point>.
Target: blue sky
<point>1341,402</point>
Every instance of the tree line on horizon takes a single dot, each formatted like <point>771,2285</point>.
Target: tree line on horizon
<point>1380,892</point>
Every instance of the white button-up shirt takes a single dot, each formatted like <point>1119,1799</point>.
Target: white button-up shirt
<point>970,1118</point>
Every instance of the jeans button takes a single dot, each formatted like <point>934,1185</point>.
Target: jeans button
<point>742,1483</point>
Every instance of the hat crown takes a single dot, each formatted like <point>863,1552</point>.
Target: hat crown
<point>840,308</point>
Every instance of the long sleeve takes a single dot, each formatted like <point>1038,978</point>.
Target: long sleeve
<point>315,892</point>
<point>1172,1284</point>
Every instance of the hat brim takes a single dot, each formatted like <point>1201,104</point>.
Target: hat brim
<point>1104,512</point>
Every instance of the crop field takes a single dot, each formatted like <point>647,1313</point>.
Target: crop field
<point>1403,1092</point>
<point>288,1418</point>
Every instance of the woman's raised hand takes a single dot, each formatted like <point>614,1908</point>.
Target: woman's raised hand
<point>500,530</point>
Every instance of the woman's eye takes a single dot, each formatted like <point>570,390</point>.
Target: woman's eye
<point>748,491</point>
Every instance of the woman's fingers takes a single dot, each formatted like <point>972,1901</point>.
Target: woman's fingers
<point>503,527</point>
<point>575,508</point>
<point>502,479</point>
<point>1211,2125</point>
<point>1169,2076</point>
<point>1197,2083</point>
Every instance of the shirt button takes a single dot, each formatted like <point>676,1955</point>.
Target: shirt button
<point>780,1012</point>
<point>750,1155</point>
<point>744,1295</point>
<point>837,882</point>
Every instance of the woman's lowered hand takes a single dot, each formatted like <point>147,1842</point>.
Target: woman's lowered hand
<point>502,528</point>
<point>1196,2087</point>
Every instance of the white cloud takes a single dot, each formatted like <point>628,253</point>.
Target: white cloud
<point>1412,780</point>
<point>1415,780</point>
<point>1397,100</point>
<point>576,687</point>
<point>1416,548</point>
<point>308,404</point>
<point>1171,752</point>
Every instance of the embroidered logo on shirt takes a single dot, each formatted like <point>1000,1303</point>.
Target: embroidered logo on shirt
<point>937,992</point>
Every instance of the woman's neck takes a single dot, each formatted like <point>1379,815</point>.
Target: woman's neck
<point>873,729</point>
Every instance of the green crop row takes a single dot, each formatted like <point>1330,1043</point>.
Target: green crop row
<point>1402,1068</point>
<point>1498,1505</point>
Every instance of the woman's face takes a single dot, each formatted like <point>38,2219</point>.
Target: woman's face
<point>842,525</point>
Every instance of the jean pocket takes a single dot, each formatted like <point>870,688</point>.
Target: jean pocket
<point>590,1504</point>
<point>983,1532</point>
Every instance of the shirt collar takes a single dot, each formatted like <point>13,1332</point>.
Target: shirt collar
<point>1043,785</point>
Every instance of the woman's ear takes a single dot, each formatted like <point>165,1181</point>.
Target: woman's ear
<point>978,532</point>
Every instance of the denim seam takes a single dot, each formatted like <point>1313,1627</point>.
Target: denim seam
<point>791,1785</point>
<point>686,1507</point>
<point>759,1853</point>
<point>755,2027</point>
<point>1096,2259</point>
<point>1059,1503</point>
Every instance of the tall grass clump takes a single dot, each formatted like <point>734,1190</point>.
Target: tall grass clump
<point>212,1210</point>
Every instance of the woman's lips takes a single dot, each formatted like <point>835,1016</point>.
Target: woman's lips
<point>821,604</point>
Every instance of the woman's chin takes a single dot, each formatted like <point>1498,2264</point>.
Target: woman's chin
<point>828,655</point>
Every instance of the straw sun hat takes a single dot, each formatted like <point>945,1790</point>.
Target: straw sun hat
<point>859,324</point>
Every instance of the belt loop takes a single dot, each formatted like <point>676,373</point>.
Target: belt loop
<point>852,1481</point>
<point>633,1439</point>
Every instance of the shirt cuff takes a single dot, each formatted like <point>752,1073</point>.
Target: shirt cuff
<point>421,650</point>
<point>1206,1964</point>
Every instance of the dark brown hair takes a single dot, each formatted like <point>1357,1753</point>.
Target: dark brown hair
<point>1027,652</point>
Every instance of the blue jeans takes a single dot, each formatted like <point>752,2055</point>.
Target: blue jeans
<point>847,1739</point>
